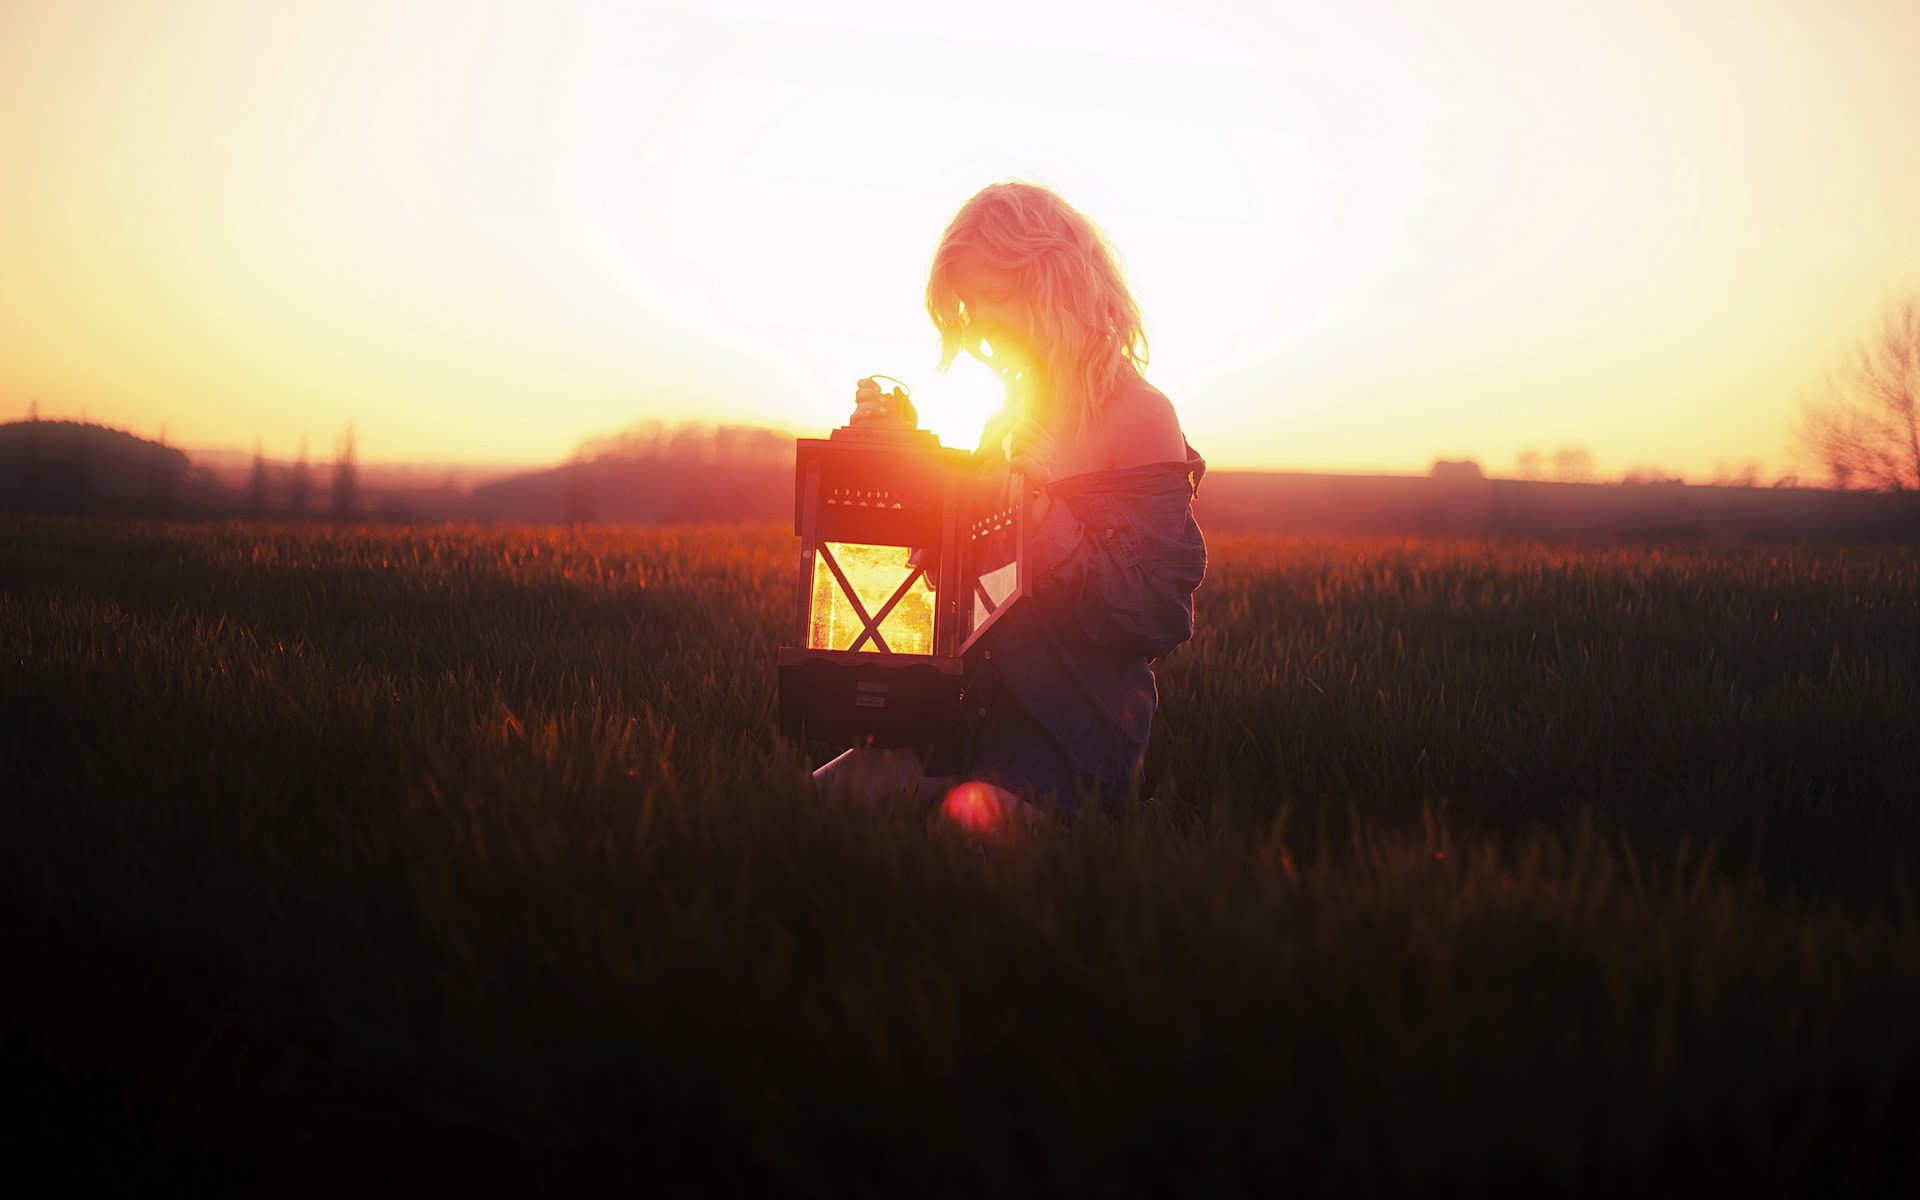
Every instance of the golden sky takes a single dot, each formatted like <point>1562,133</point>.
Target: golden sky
<point>1364,235</point>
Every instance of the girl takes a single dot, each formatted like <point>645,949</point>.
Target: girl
<point>1060,694</point>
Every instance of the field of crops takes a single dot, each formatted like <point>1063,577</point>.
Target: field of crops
<point>469,860</point>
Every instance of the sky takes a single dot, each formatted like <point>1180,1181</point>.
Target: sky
<point>1364,236</point>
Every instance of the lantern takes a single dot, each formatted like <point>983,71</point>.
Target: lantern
<point>909,553</point>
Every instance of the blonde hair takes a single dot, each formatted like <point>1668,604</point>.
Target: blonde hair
<point>1060,267</point>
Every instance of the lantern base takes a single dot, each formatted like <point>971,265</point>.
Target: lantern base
<point>862,697</point>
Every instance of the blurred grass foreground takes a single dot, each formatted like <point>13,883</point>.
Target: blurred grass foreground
<point>456,859</point>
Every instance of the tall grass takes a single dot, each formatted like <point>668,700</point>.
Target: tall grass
<point>469,858</point>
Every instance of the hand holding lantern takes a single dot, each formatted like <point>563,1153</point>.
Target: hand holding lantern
<point>873,408</point>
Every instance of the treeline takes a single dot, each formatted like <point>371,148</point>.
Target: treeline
<point>649,472</point>
<point>690,442</point>
<point>295,491</point>
<point>83,468</point>
<point>652,473</point>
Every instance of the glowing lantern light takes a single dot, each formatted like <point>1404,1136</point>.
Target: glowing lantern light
<point>854,585</point>
<point>909,552</point>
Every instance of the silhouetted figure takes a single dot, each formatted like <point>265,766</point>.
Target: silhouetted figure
<point>1060,694</point>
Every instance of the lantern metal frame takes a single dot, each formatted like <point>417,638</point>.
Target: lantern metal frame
<point>971,533</point>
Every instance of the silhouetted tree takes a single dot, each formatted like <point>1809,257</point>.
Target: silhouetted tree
<point>1455,469</point>
<point>346,476</point>
<point>643,439</point>
<point>1529,464</point>
<point>1864,425</point>
<point>1653,474</point>
<point>300,483</point>
<point>1572,464</point>
<point>259,483</point>
<point>690,441</point>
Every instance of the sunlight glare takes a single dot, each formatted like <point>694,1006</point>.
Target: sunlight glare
<point>956,404</point>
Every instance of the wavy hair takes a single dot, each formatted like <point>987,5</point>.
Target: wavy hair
<point>1056,265</point>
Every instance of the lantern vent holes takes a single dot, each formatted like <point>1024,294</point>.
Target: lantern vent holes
<point>991,524</point>
<point>862,498</point>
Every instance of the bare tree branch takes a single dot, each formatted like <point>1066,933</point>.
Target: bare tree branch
<point>1863,425</point>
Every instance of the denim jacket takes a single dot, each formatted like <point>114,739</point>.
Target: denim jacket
<point>1116,561</point>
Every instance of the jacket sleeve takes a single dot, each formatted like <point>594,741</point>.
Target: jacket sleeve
<point>1120,570</point>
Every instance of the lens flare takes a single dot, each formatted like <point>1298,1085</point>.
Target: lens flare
<point>975,808</point>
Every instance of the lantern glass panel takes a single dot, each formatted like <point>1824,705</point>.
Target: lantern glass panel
<point>991,591</point>
<point>875,573</point>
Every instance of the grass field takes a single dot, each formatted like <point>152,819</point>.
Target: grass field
<point>467,860</point>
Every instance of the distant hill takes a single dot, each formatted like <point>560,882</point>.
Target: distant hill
<point>1453,500</point>
<point>393,492</point>
<point>650,474</point>
<point>80,467</point>
<point>652,490</point>
<point>234,467</point>
<point>653,474</point>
